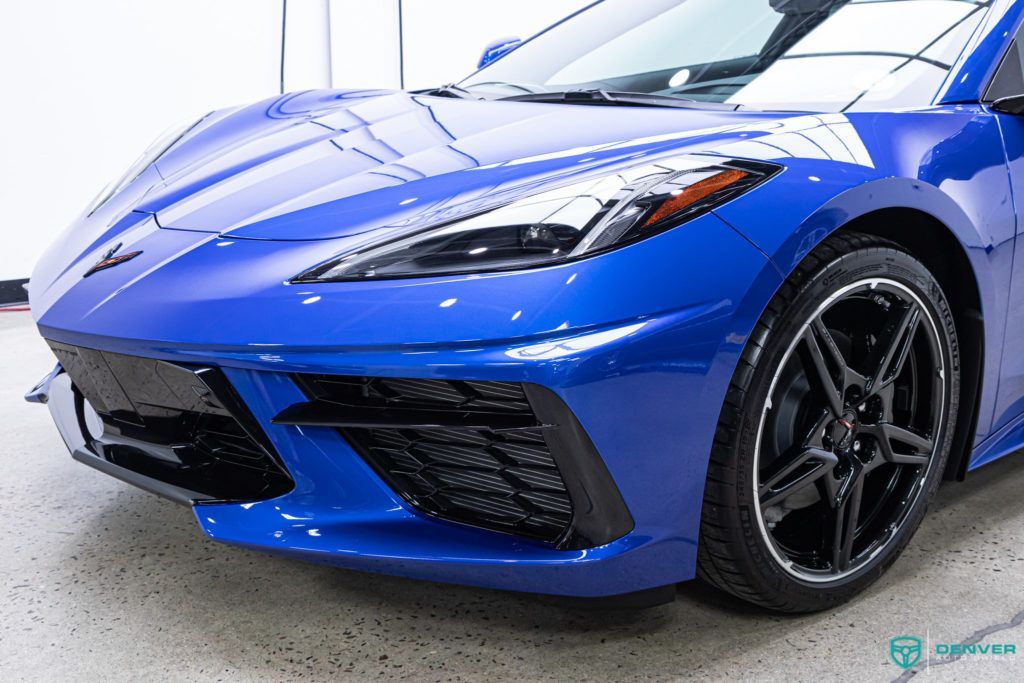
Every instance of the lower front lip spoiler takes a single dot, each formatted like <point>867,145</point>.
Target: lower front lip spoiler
<point>162,489</point>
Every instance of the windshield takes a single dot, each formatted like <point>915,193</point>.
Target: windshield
<point>806,55</point>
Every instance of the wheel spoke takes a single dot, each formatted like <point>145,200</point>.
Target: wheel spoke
<point>847,374</point>
<point>816,437</point>
<point>885,434</point>
<point>820,344</point>
<point>893,347</point>
<point>886,396</point>
<point>847,511</point>
<point>819,463</point>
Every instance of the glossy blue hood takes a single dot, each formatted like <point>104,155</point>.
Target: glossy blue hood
<point>331,164</point>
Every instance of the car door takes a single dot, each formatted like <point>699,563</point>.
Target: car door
<point>1009,82</point>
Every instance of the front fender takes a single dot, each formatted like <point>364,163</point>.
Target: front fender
<point>958,178</point>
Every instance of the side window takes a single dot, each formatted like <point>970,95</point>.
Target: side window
<point>1009,78</point>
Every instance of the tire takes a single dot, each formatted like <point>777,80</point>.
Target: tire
<point>798,523</point>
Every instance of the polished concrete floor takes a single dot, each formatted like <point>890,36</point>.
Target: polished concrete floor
<point>99,581</point>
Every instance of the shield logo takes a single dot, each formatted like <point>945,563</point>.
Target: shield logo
<point>905,651</point>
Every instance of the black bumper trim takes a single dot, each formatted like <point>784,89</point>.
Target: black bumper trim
<point>172,493</point>
<point>600,514</point>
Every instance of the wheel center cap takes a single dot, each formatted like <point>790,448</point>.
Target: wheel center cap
<point>844,429</point>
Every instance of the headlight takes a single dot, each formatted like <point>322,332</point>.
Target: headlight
<point>155,150</point>
<point>558,225</point>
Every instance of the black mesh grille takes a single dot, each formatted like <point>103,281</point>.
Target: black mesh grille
<point>466,451</point>
<point>503,480</point>
<point>180,425</point>
<point>420,394</point>
<point>224,439</point>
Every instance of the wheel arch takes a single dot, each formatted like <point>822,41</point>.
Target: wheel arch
<point>951,232</point>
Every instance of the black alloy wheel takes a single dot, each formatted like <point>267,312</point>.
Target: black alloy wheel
<point>836,429</point>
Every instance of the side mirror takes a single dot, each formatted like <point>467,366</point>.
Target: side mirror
<point>1009,105</point>
<point>497,49</point>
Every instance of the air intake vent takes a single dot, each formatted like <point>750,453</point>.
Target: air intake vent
<point>179,425</point>
<point>497,455</point>
<point>420,394</point>
<point>507,480</point>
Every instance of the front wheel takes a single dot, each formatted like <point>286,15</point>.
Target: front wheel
<point>835,431</point>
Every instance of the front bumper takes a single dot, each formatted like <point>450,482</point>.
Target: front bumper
<point>341,512</point>
<point>647,390</point>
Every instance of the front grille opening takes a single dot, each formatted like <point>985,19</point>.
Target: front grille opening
<point>213,458</point>
<point>180,425</point>
<point>501,456</point>
<point>418,394</point>
<point>501,480</point>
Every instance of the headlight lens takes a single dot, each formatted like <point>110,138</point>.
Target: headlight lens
<point>558,225</point>
<point>155,150</point>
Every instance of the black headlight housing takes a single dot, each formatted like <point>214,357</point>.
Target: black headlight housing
<point>567,223</point>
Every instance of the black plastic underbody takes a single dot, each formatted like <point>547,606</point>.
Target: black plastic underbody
<point>501,456</point>
<point>177,430</point>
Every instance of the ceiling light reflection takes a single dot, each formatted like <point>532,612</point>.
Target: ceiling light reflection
<point>570,347</point>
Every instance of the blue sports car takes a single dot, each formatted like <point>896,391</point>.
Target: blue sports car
<point>675,288</point>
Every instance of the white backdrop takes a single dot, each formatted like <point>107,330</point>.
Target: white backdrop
<point>444,40</point>
<point>86,85</point>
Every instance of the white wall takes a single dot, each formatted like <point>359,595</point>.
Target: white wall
<point>445,38</point>
<point>364,43</point>
<point>86,85</point>
<point>307,57</point>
